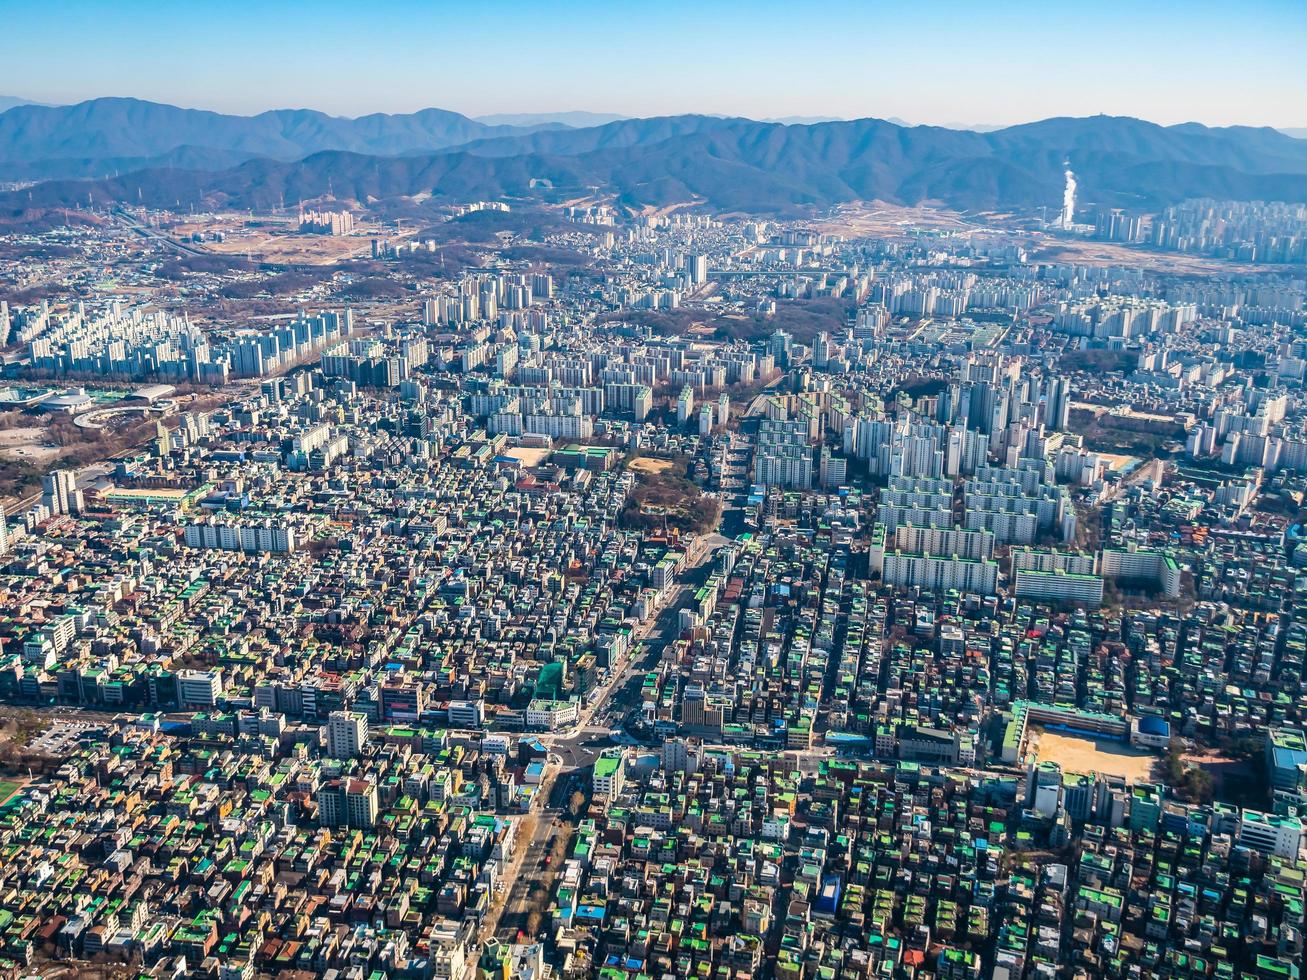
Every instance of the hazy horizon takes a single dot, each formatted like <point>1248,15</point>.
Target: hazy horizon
<point>8,101</point>
<point>940,66</point>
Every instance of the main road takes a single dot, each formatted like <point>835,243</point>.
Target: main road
<point>620,693</point>
<point>572,753</point>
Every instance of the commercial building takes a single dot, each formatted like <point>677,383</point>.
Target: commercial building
<point>1270,834</point>
<point>609,773</point>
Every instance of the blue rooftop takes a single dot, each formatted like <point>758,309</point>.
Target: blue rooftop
<point>1153,725</point>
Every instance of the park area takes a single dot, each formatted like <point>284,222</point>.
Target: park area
<point>1083,754</point>
<point>663,498</point>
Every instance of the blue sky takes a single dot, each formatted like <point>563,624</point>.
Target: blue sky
<point>932,61</point>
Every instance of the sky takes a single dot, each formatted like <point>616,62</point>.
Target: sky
<point>929,61</point>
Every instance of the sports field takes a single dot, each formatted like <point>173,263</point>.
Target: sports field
<point>1081,754</point>
<point>528,456</point>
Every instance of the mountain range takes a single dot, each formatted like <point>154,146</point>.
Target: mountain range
<point>167,156</point>
<point>98,137</point>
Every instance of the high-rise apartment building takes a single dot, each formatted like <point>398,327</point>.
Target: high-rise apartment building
<point>347,734</point>
<point>59,492</point>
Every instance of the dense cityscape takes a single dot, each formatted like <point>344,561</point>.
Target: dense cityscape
<point>704,542</point>
<point>664,595</point>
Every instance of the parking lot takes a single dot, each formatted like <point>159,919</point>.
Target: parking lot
<point>62,735</point>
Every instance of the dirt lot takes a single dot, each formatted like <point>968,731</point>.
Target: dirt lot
<point>1085,251</point>
<point>1090,755</point>
<point>281,243</point>
<point>528,456</point>
<point>1120,462</point>
<point>27,443</point>
<point>881,220</point>
<point>648,464</point>
<point>293,249</point>
<point>878,219</point>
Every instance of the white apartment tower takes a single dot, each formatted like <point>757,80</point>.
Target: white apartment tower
<point>59,492</point>
<point>347,734</point>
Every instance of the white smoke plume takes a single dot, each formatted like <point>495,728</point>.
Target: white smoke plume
<point>1069,199</point>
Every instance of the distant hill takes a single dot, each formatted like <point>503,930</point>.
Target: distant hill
<point>95,138</point>
<point>802,120</point>
<point>974,127</point>
<point>1298,134</point>
<point>740,164</point>
<point>615,135</point>
<point>573,120</point>
<point>9,101</point>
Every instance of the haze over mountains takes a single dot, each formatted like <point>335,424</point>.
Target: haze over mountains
<point>575,120</point>
<point>164,155</point>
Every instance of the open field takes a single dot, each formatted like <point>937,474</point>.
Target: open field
<point>291,249</point>
<point>279,242</point>
<point>648,464</point>
<point>1082,754</point>
<point>879,219</point>
<point>28,443</point>
<point>8,788</point>
<point>1087,251</point>
<point>876,218</point>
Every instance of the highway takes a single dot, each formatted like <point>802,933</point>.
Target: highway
<point>149,233</point>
